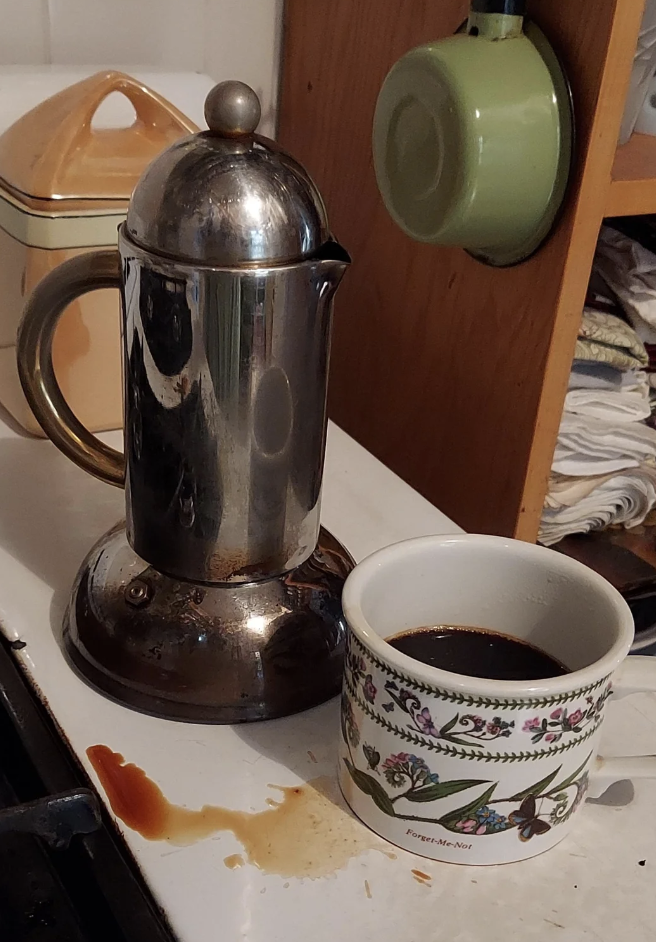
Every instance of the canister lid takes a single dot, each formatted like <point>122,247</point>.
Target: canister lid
<point>54,153</point>
<point>228,197</point>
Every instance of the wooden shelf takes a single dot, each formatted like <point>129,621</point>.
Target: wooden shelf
<point>633,185</point>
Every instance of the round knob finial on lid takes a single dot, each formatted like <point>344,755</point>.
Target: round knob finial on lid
<point>232,109</point>
<point>227,197</point>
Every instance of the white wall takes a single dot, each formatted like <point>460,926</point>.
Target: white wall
<point>224,38</point>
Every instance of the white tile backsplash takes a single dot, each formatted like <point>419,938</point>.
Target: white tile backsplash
<point>24,32</point>
<point>242,41</point>
<point>165,33</point>
<point>223,38</point>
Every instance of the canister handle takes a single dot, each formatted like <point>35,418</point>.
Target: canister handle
<point>47,303</point>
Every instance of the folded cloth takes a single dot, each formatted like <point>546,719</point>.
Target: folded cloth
<point>624,498</point>
<point>588,374</point>
<point>588,445</point>
<point>565,491</point>
<point>606,338</point>
<point>630,404</point>
<point>629,269</point>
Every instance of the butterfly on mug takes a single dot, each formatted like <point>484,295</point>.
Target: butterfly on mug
<point>527,820</point>
<point>372,756</point>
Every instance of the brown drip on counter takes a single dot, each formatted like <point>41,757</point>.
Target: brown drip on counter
<point>307,834</point>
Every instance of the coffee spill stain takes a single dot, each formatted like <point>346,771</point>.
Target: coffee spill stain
<point>234,861</point>
<point>312,756</point>
<point>367,889</point>
<point>307,834</point>
<point>421,877</point>
<point>285,886</point>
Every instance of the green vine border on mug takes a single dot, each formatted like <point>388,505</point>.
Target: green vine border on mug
<point>528,703</point>
<point>458,753</point>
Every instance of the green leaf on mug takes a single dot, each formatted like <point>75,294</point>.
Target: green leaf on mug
<point>443,789</point>
<point>370,786</point>
<point>570,778</point>
<point>342,721</point>
<point>449,726</point>
<point>457,741</point>
<point>462,814</point>
<point>536,789</point>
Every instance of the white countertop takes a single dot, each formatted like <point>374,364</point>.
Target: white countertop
<point>590,887</point>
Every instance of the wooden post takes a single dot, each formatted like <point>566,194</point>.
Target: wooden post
<point>452,373</point>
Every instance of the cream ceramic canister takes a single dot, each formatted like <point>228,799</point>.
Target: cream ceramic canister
<point>65,185</point>
<point>468,769</point>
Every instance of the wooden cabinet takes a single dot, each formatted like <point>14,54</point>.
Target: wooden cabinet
<point>452,373</point>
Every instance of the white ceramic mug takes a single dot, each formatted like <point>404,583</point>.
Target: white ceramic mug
<point>467,769</point>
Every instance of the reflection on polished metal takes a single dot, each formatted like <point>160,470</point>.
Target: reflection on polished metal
<point>225,384</point>
<point>208,654</point>
<point>232,109</point>
<point>227,273</point>
<point>225,199</point>
<point>47,303</point>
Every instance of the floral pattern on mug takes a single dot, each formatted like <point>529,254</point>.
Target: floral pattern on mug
<point>532,811</point>
<point>463,730</point>
<point>552,727</point>
<point>350,728</point>
<point>399,703</point>
<point>368,689</point>
<point>484,821</point>
<point>408,769</point>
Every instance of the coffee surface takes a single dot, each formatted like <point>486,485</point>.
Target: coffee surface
<point>477,652</point>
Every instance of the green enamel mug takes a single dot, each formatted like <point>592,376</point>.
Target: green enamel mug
<point>473,137</point>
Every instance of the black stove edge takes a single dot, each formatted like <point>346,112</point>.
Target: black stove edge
<point>110,862</point>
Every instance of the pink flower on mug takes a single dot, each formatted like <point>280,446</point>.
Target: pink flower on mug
<point>550,737</point>
<point>556,715</point>
<point>396,760</point>
<point>368,689</point>
<point>531,724</point>
<point>468,826</point>
<point>575,718</point>
<point>425,723</point>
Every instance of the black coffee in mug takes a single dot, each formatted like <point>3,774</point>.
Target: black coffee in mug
<point>477,652</point>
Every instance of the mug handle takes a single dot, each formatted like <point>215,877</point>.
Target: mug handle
<point>47,303</point>
<point>636,675</point>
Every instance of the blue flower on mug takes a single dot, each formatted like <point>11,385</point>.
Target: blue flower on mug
<point>483,821</point>
<point>404,768</point>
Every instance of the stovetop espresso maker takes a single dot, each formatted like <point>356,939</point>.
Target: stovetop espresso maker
<point>219,600</point>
